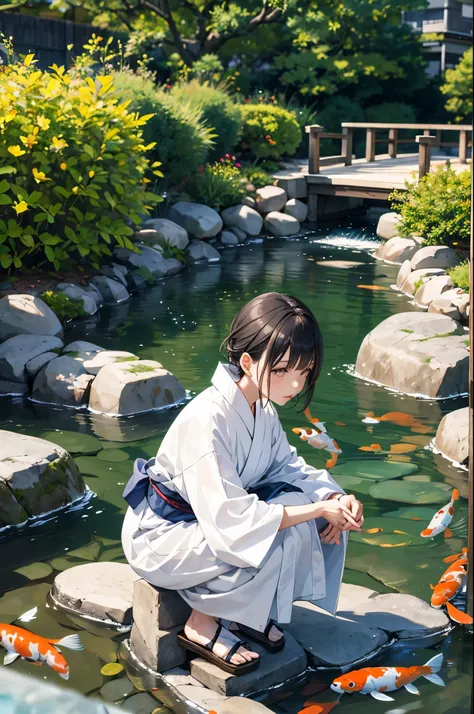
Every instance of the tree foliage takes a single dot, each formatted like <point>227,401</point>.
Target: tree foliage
<point>458,87</point>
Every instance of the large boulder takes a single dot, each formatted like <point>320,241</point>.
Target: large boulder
<point>55,383</point>
<point>34,365</point>
<point>435,256</point>
<point>148,258</point>
<point>415,279</point>
<point>432,289</point>
<point>453,303</point>
<point>245,218</point>
<point>17,351</point>
<point>74,292</point>
<point>112,291</point>
<point>132,387</point>
<point>281,224</point>
<point>94,363</point>
<point>297,209</point>
<point>116,272</point>
<point>397,250</point>
<point>27,315</point>
<point>388,225</point>
<point>452,436</point>
<point>271,198</point>
<point>229,238</point>
<point>416,353</point>
<point>199,250</point>
<point>198,220</point>
<point>36,476</point>
<point>174,234</point>
<point>294,185</point>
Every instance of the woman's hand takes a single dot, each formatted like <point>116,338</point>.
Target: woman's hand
<point>338,514</point>
<point>330,535</point>
<point>356,508</point>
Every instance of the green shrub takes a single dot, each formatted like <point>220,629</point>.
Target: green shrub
<point>258,176</point>
<point>65,308</point>
<point>460,276</point>
<point>218,110</point>
<point>72,167</point>
<point>217,185</point>
<point>437,207</point>
<point>269,131</point>
<point>334,111</point>
<point>182,137</point>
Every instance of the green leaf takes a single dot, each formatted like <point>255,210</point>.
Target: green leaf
<point>70,233</point>
<point>62,191</point>
<point>14,230</point>
<point>17,262</point>
<point>40,217</point>
<point>28,241</point>
<point>7,170</point>
<point>89,150</point>
<point>79,215</point>
<point>34,197</point>
<point>49,252</point>
<point>109,198</point>
<point>6,261</point>
<point>5,200</point>
<point>83,250</point>
<point>4,185</point>
<point>48,239</point>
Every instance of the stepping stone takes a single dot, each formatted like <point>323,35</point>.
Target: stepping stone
<point>334,641</point>
<point>96,361</point>
<point>404,616</point>
<point>103,591</point>
<point>406,492</point>
<point>272,670</point>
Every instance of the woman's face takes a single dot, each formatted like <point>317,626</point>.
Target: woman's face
<point>285,383</point>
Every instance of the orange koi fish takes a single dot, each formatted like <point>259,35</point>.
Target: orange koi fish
<point>451,582</point>
<point>398,418</point>
<point>442,519</point>
<point>378,680</point>
<point>318,438</point>
<point>38,650</point>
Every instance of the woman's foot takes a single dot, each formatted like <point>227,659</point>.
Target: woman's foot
<point>201,628</point>
<point>274,635</point>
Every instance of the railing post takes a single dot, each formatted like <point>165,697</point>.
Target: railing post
<point>424,155</point>
<point>462,146</point>
<point>370,145</point>
<point>314,132</point>
<point>392,143</point>
<point>346,147</point>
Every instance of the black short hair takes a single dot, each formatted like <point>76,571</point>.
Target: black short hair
<point>276,322</point>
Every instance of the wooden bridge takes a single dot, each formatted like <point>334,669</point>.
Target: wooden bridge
<point>375,176</point>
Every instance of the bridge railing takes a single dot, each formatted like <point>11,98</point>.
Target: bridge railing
<point>425,141</point>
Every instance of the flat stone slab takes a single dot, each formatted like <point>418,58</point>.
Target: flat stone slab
<point>417,353</point>
<point>401,615</point>
<point>100,590</point>
<point>272,670</point>
<point>334,641</point>
<point>452,436</point>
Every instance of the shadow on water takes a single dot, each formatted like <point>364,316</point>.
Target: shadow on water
<point>181,324</point>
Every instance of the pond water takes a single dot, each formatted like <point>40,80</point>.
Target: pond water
<point>181,323</point>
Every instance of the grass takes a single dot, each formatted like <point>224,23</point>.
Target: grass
<point>409,332</point>
<point>125,359</point>
<point>433,337</point>
<point>138,368</point>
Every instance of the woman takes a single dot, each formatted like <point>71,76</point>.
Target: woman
<point>228,514</point>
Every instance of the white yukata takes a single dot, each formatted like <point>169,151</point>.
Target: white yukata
<point>233,562</point>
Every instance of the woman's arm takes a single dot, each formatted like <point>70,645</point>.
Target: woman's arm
<point>335,512</point>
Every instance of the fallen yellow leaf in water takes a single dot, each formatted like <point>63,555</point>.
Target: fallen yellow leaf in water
<point>340,423</point>
<point>402,448</point>
<point>394,545</point>
<point>398,457</point>
<point>372,447</point>
<point>110,669</point>
<point>372,287</point>
<point>401,532</point>
<point>374,530</point>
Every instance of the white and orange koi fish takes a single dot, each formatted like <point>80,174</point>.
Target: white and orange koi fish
<point>318,438</point>
<point>453,581</point>
<point>442,519</point>
<point>38,650</point>
<point>378,680</point>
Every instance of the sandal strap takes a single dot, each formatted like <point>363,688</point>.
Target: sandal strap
<point>233,650</point>
<point>270,624</point>
<point>217,633</point>
<point>228,639</point>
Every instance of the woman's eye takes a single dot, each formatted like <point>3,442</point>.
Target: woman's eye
<point>279,371</point>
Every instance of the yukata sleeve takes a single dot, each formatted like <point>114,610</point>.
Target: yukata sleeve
<point>238,527</point>
<point>287,466</point>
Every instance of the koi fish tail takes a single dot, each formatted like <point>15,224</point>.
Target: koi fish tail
<point>452,558</point>
<point>457,615</point>
<point>72,642</point>
<point>330,463</point>
<point>28,616</point>
<point>435,664</point>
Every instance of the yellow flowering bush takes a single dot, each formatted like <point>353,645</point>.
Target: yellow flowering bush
<point>73,166</point>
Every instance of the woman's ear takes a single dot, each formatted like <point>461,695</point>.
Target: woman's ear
<point>246,362</point>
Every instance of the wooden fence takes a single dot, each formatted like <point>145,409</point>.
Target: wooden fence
<point>49,39</point>
<point>425,141</point>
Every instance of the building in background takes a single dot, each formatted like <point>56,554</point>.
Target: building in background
<point>452,21</point>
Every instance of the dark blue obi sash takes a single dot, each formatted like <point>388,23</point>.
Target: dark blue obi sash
<point>170,505</point>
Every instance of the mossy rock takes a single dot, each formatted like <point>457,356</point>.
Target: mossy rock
<point>11,511</point>
<point>74,442</point>
<point>407,492</point>
<point>374,469</point>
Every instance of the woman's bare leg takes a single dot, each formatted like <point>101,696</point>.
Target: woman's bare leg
<point>201,628</point>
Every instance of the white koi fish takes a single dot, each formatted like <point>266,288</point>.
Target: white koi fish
<point>442,519</point>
